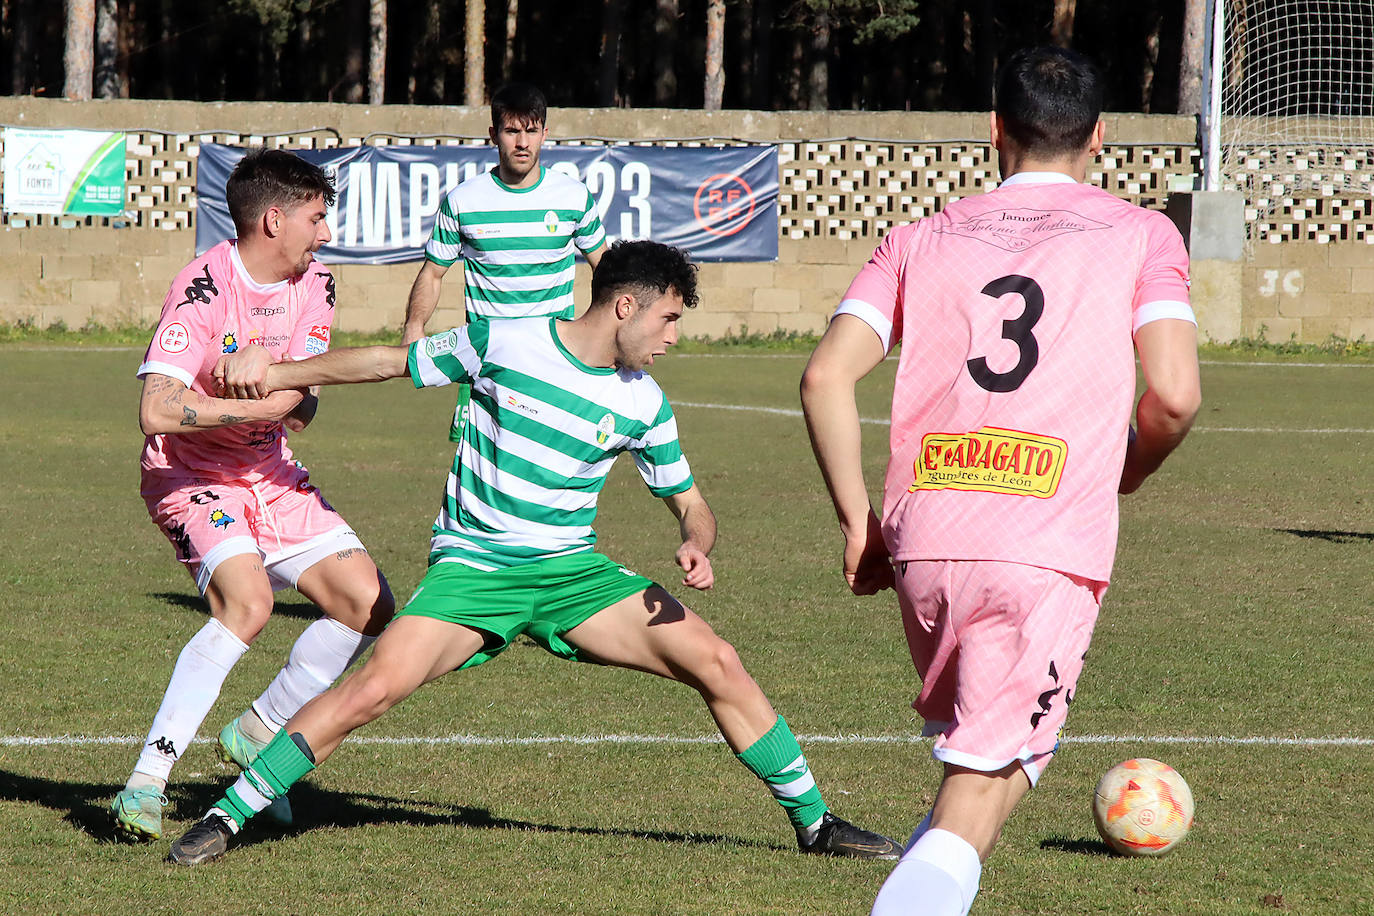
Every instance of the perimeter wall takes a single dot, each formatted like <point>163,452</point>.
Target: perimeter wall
<point>838,196</point>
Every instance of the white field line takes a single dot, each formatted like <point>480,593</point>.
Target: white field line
<point>879,421</point>
<point>489,741</point>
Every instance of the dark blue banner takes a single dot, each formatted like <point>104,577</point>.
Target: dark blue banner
<point>718,203</point>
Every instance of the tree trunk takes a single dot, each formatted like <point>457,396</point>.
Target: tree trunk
<point>474,54</point>
<point>665,39</point>
<point>512,22</point>
<point>761,85</point>
<point>21,33</point>
<point>715,54</point>
<point>818,80</point>
<point>1061,28</point>
<point>107,49</point>
<point>1190,67</point>
<point>376,52</point>
<point>79,55</point>
<point>608,71</point>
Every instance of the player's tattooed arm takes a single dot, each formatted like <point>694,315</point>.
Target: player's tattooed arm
<point>168,406</point>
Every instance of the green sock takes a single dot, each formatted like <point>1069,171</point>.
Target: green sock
<point>280,765</point>
<point>777,759</point>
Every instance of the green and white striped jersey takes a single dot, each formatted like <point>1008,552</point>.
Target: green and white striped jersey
<point>516,244</point>
<point>543,432</point>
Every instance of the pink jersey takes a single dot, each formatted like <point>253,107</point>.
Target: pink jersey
<point>214,307</point>
<point>1015,310</point>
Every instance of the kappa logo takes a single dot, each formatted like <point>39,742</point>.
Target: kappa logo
<point>604,429</point>
<point>328,286</point>
<point>164,745</point>
<point>202,288</point>
<point>181,541</point>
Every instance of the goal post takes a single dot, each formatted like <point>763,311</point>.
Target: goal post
<point>1289,117</point>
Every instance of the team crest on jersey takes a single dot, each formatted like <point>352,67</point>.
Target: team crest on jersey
<point>551,222</point>
<point>442,344</point>
<point>604,429</point>
<point>220,519</point>
<point>317,341</point>
<point>230,342</point>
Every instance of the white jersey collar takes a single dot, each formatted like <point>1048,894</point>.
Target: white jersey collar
<point>1038,178</point>
<point>246,277</point>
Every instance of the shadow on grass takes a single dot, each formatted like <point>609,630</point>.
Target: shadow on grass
<point>1335,537</point>
<point>1081,846</point>
<point>87,809</point>
<point>301,610</point>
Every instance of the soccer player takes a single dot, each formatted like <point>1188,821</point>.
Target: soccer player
<point>553,403</point>
<point>220,482</point>
<point>1016,311</point>
<point>514,228</point>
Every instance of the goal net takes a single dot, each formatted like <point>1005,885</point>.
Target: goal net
<point>1296,121</point>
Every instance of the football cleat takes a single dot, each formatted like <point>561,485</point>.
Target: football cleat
<point>205,842</point>
<point>838,837</point>
<point>138,813</point>
<point>237,748</point>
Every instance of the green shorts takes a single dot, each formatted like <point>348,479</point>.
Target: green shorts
<point>543,600</point>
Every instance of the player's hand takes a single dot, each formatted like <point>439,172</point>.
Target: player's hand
<point>280,404</point>
<point>867,564</point>
<point>1131,475</point>
<point>244,374</point>
<point>697,566</point>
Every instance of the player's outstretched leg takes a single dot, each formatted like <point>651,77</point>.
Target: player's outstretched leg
<point>652,632</point>
<point>240,600</point>
<point>357,602</point>
<point>413,651</point>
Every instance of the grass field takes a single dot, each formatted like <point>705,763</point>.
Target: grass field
<point>1240,610</point>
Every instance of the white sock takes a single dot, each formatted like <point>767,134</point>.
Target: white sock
<point>199,673</point>
<point>322,653</point>
<point>937,877</point>
<point>919,832</point>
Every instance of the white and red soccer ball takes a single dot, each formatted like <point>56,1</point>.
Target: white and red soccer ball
<point>1143,807</point>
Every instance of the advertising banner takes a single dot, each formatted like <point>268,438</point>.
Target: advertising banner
<point>718,203</point>
<point>76,172</point>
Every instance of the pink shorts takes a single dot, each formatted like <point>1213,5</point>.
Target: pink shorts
<point>284,520</point>
<point>999,647</point>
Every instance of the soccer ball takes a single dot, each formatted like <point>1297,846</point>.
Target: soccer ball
<point>1143,807</point>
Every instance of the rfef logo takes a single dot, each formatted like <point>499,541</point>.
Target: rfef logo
<point>724,204</point>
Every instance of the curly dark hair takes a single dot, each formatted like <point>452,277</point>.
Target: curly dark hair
<point>638,267</point>
<point>272,178</point>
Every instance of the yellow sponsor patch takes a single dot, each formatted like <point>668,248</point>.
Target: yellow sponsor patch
<point>991,460</point>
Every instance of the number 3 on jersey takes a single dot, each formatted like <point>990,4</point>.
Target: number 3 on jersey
<point>1018,330</point>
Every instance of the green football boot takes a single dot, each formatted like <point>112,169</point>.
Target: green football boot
<point>138,813</point>
<point>237,748</point>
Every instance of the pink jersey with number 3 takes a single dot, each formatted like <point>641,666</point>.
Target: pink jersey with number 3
<point>1015,311</point>
<point>215,307</point>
